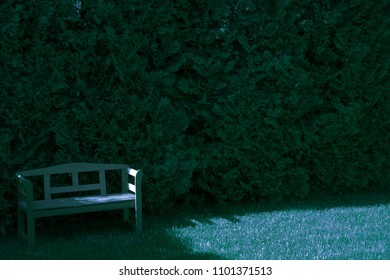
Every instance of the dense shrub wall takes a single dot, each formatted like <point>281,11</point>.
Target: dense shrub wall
<point>228,99</point>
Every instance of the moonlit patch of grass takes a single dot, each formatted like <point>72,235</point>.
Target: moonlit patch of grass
<point>334,233</point>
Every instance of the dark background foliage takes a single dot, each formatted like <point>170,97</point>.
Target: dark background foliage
<point>224,100</point>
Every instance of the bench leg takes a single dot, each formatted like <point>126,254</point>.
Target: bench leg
<point>21,223</point>
<point>138,220</point>
<point>31,230</point>
<point>26,227</point>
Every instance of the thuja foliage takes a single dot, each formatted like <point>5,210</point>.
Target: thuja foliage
<point>233,99</point>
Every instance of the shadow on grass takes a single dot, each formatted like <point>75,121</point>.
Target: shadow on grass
<point>170,237</point>
<point>100,237</point>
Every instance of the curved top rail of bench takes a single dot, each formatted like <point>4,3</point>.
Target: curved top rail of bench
<point>73,167</point>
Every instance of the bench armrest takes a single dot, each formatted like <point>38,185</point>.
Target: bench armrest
<point>25,192</point>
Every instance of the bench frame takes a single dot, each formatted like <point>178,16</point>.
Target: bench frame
<point>29,209</point>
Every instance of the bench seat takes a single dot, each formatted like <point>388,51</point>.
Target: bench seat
<point>81,201</point>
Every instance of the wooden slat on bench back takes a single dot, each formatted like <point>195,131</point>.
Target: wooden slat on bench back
<point>77,188</point>
<point>46,186</point>
<point>102,180</point>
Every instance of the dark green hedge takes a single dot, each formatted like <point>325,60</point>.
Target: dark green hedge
<point>233,100</point>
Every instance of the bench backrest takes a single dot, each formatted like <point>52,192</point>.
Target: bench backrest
<point>75,168</point>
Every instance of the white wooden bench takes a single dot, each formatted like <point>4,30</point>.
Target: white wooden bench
<point>76,197</point>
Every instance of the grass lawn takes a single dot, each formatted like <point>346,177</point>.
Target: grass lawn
<point>352,227</point>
